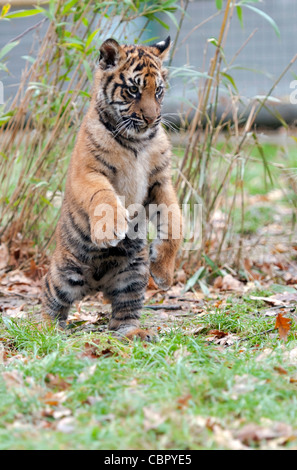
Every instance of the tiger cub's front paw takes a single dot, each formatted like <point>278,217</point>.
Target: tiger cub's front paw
<point>109,225</point>
<point>161,265</point>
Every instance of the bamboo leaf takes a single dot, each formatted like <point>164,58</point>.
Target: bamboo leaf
<point>91,37</point>
<point>165,25</point>
<point>88,70</point>
<point>219,4</point>
<point>24,13</point>
<point>172,17</point>
<point>265,16</point>
<point>6,49</point>
<point>194,279</point>
<point>5,10</point>
<point>230,79</point>
<point>203,287</point>
<point>68,6</point>
<point>239,15</point>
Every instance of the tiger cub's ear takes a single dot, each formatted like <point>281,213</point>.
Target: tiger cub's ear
<point>111,54</point>
<point>161,49</point>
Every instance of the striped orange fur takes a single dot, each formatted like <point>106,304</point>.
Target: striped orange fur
<point>121,151</point>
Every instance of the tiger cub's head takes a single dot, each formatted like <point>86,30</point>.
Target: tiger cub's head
<point>130,85</point>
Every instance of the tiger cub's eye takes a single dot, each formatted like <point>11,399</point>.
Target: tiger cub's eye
<point>133,89</point>
<point>158,89</point>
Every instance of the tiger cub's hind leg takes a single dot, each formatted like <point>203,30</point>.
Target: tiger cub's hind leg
<point>126,292</point>
<point>63,284</point>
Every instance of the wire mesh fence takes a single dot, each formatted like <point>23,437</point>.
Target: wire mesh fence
<point>255,69</point>
<point>264,56</point>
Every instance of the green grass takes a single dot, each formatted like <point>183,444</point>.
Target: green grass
<point>90,391</point>
<point>145,396</point>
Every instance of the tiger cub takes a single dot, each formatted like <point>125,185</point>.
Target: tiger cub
<point>121,160</point>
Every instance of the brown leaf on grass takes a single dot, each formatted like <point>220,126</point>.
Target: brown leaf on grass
<point>17,282</point>
<point>280,370</point>
<point>291,356</point>
<point>12,357</point>
<point>87,373</point>
<point>35,272</point>
<point>54,399</point>
<point>151,293</point>
<point>221,337</point>
<point>15,312</point>
<point>270,300</point>
<point>284,325</point>
<point>195,331</point>
<point>287,297</point>
<point>56,382</point>
<point>227,340</point>
<point>66,425</point>
<point>153,419</point>
<point>61,412</point>
<point>183,401</point>
<point>93,351</point>
<point>224,438</point>
<point>218,334</point>
<point>227,283</point>
<point>243,384</point>
<point>255,433</point>
<point>151,284</point>
<point>181,352</point>
<point>93,400</point>
<point>13,379</point>
<point>278,299</point>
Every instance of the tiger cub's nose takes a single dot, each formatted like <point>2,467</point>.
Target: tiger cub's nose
<point>149,119</point>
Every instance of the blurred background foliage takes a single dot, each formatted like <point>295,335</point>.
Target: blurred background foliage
<point>220,158</point>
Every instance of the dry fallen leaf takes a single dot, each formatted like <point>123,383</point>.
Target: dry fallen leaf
<point>93,400</point>
<point>54,399</point>
<point>291,356</point>
<point>151,285</point>
<point>56,382</point>
<point>181,352</point>
<point>183,401</point>
<point>278,299</point>
<point>61,412</point>
<point>221,338</point>
<point>270,300</point>
<point>66,425</point>
<point>284,325</point>
<point>244,384</point>
<point>218,334</point>
<point>87,373</point>
<point>255,433</point>
<point>12,379</point>
<point>18,283</point>
<point>228,282</point>
<point>15,312</point>
<point>227,340</point>
<point>280,370</point>
<point>153,419</point>
<point>224,438</point>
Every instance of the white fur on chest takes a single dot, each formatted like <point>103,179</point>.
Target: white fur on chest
<point>132,179</point>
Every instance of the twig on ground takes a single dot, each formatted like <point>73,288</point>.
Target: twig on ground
<point>163,307</point>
